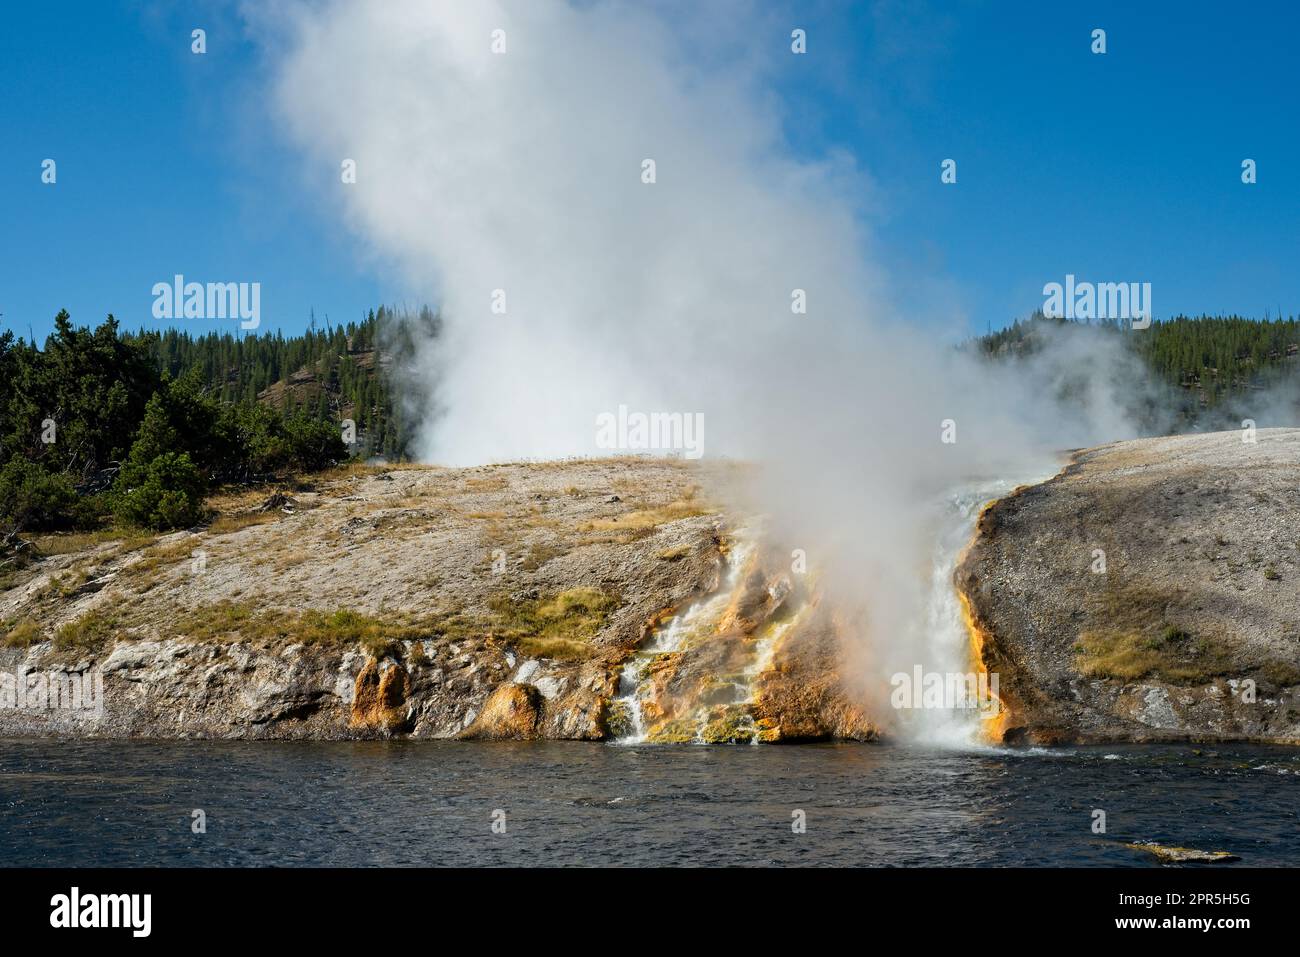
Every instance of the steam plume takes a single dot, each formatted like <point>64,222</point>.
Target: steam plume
<point>522,171</point>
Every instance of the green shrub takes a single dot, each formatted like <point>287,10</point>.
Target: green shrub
<point>166,493</point>
<point>32,499</point>
<point>264,442</point>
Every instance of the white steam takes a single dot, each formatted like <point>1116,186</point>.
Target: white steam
<point>522,172</point>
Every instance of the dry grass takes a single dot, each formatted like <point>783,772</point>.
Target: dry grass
<point>539,554</point>
<point>242,498</point>
<point>226,524</point>
<point>61,586</point>
<point>1282,674</point>
<point>233,621</point>
<point>240,621</point>
<point>65,543</point>
<point>345,471</point>
<point>148,571</point>
<point>647,519</point>
<point>674,554</point>
<point>491,483</point>
<point>22,635</point>
<point>1135,638</point>
<point>561,649</point>
<point>283,561</point>
<point>561,626</point>
<point>92,632</point>
<point>1172,656</point>
<point>626,485</point>
<point>493,535</point>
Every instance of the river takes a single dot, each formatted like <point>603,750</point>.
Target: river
<point>131,803</point>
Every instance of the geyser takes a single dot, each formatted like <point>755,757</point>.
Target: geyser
<point>515,179</point>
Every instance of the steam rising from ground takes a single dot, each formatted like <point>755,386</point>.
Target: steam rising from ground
<point>523,172</point>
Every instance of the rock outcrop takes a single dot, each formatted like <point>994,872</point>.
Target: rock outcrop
<point>1149,592</point>
<point>494,602</point>
<point>513,712</point>
<point>379,697</point>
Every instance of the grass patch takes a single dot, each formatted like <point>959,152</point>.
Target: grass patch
<point>66,543</point>
<point>1134,639</point>
<point>310,481</point>
<point>240,621</point>
<point>226,524</point>
<point>539,555</point>
<point>561,626</point>
<point>288,559</point>
<point>148,571</point>
<point>376,636</point>
<point>61,586</point>
<point>674,554</point>
<point>492,483</point>
<point>1173,656</point>
<point>647,519</point>
<point>22,635</point>
<point>234,621</point>
<point>91,632</point>
<point>1281,674</point>
<point>560,649</point>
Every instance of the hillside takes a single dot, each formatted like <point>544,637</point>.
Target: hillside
<point>1138,596</point>
<point>1209,371</point>
<point>490,602</point>
<point>1151,591</point>
<point>329,374</point>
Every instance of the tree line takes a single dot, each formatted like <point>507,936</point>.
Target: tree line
<point>101,426</point>
<point>98,426</point>
<point>1210,366</point>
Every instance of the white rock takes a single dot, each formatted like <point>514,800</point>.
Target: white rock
<point>1158,713</point>
<point>129,655</point>
<point>550,687</point>
<point>527,670</point>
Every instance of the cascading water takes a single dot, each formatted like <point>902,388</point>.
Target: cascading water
<point>946,648</point>
<point>722,706</point>
<point>698,621</point>
<point>633,684</point>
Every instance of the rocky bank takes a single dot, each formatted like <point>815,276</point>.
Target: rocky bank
<point>1149,592</point>
<point>494,602</point>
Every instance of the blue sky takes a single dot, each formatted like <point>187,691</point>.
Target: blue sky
<point>1116,167</point>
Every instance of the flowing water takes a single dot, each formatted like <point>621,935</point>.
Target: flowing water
<point>698,620</point>
<point>940,646</point>
<point>945,642</point>
<point>432,803</point>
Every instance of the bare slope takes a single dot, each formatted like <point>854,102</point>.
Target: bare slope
<point>1137,595</point>
<point>499,601</point>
